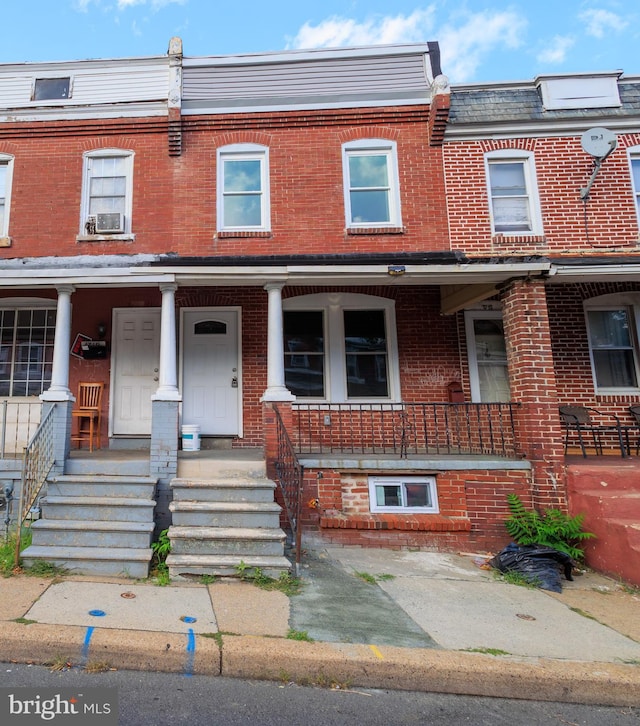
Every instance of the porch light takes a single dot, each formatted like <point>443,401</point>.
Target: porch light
<point>396,270</point>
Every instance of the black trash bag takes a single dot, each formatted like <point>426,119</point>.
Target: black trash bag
<point>539,565</point>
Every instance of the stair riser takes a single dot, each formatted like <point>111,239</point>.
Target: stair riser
<point>96,513</point>
<point>222,494</point>
<point>190,572</point>
<point>111,540</point>
<point>96,467</point>
<point>96,567</point>
<point>241,547</point>
<point>89,489</point>
<point>269,520</point>
<point>612,506</point>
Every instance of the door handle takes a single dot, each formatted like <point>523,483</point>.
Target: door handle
<point>234,382</point>
<point>155,378</point>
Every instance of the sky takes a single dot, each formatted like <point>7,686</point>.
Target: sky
<point>480,40</point>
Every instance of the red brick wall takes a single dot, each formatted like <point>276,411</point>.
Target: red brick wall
<point>473,507</point>
<point>562,169</point>
<point>174,198</point>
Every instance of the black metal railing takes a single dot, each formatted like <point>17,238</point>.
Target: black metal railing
<point>289,474</point>
<point>405,429</point>
<point>38,459</point>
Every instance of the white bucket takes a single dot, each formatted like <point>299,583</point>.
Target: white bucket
<point>191,438</point>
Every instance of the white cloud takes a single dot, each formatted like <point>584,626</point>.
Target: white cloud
<point>83,5</point>
<point>464,47</point>
<point>600,22</point>
<point>337,31</point>
<point>556,51</point>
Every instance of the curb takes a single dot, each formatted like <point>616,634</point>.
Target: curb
<point>325,664</point>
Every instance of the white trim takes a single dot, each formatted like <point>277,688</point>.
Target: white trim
<point>244,152</point>
<point>630,301</point>
<point>333,305</point>
<point>428,481</point>
<point>370,147</point>
<point>527,159</point>
<point>633,154</point>
<point>87,157</point>
<point>6,160</point>
<point>474,377</point>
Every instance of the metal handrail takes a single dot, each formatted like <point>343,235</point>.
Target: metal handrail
<point>38,459</point>
<point>405,429</point>
<point>290,473</point>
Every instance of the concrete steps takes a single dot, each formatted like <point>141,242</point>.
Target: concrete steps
<point>96,523</point>
<point>610,501</point>
<point>223,522</point>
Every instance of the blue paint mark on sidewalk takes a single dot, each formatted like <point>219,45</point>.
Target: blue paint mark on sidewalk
<point>191,653</point>
<point>87,642</point>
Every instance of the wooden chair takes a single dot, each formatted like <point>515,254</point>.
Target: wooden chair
<point>577,419</point>
<point>88,414</point>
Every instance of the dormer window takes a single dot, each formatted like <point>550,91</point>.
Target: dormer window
<point>52,89</point>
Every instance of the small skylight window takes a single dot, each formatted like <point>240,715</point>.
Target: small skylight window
<point>51,89</point>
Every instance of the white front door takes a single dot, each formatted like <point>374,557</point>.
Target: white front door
<point>136,362</point>
<point>210,371</point>
<point>488,371</point>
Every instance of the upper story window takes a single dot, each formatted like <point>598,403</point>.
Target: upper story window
<point>243,188</point>
<point>635,177</point>
<point>52,89</point>
<point>513,195</point>
<point>340,347</point>
<point>371,190</point>
<point>107,192</point>
<point>6,169</point>
<point>613,329</point>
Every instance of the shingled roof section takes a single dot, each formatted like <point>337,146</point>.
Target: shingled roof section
<point>507,105</point>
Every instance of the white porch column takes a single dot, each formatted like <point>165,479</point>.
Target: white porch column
<point>59,388</point>
<point>168,375</point>
<point>276,389</point>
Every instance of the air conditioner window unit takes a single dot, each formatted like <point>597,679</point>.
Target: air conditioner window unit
<point>112,222</point>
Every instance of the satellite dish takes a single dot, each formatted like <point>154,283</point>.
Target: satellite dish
<point>598,142</point>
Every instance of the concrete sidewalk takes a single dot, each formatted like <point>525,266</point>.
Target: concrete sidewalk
<point>377,618</point>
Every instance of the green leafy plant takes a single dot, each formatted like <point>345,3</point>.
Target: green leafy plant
<point>550,528</point>
<point>161,549</point>
<point>286,583</point>
<point>299,635</point>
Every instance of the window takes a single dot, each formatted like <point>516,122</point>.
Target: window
<point>340,347</point>
<point>613,344</point>
<point>26,350</point>
<point>46,89</point>
<point>6,169</point>
<point>635,178</point>
<point>107,192</point>
<point>243,188</point>
<point>488,371</point>
<point>512,193</point>
<point>371,193</point>
<point>407,494</point>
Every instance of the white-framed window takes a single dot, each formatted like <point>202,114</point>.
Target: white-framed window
<point>613,322</point>
<point>6,174</point>
<point>486,349</point>
<point>27,331</point>
<point>107,192</point>
<point>513,195</point>
<point>371,188</point>
<point>634,162</point>
<point>341,347</point>
<point>243,188</point>
<point>414,494</point>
